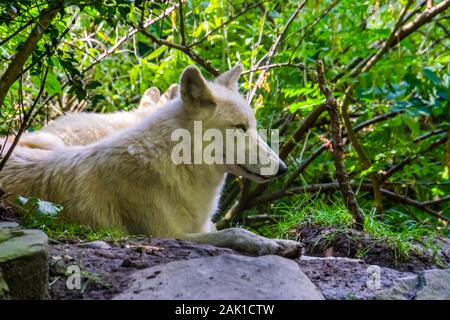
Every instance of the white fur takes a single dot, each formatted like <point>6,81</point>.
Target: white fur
<point>127,179</point>
<point>83,128</point>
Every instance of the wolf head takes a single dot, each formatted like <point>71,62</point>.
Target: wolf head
<point>225,115</point>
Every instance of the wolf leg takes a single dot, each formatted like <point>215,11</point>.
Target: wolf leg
<point>41,140</point>
<point>246,241</point>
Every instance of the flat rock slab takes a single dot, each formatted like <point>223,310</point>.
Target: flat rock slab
<point>23,262</point>
<point>106,270</point>
<point>428,285</point>
<point>347,279</point>
<point>223,277</point>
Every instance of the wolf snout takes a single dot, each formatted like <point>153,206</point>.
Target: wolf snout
<point>282,169</point>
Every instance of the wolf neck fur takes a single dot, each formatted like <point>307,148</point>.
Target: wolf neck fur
<point>148,147</point>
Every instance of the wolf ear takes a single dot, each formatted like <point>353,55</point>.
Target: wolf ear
<point>194,89</point>
<point>230,78</point>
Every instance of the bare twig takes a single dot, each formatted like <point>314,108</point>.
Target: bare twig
<point>182,32</point>
<point>312,26</point>
<point>132,31</point>
<point>186,50</point>
<point>408,160</point>
<point>364,158</point>
<point>25,121</point>
<point>436,201</point>
<point>302,129</point>
<point>273,49</point>
<point>367,64</point>
<point>430,134</point>
<point>277,65</point>
<point>333,186</point>
<point>338,151</point>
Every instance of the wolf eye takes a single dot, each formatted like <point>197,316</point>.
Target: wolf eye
<point>241,126</point>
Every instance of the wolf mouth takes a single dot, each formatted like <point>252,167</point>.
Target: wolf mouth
<point>255,175</point>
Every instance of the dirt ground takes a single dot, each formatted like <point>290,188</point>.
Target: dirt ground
<point>322,242</point>
<point>106,272</point>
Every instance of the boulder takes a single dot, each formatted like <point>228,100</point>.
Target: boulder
<point>23,261</point>
<point>226,276</point>
<point>431,284</point>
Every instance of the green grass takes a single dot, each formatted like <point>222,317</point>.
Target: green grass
<point>44,215</point>
<point>405,239</point>
<point>58,229</point>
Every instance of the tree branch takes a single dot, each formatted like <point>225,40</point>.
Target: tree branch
<point>25,121</point>
<point>267,58</point>
<point>132,31</point>
<point>185,49</point>
<point>338,151</point>
<point>333,186</point>
<point>366,163</point>
<point>408,160</point>
<point>16,65</point>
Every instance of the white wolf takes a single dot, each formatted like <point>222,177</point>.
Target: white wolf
<point>82,128</point>
<point>128,180</point>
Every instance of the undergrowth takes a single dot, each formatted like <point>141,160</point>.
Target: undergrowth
<point>38,214</point>
<point>405,239</point>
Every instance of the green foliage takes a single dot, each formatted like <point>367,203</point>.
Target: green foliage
<point>405,238</point>
<point>43,215</point>
<point>95,64</point>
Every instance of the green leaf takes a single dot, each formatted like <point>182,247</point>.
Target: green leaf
<point>156,53</point>
<point>430,75</point>
<point>306,105</point>
<point>52,84</point>
<point>93,84</point>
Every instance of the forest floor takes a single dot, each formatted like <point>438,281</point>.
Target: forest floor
<point>107,260</point>
<point>107,267</point>
<point>336,242</point>
<point>106,271</point>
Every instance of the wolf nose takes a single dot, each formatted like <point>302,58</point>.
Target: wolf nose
<point>282,169</point>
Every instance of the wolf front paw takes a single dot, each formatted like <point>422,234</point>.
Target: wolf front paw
<point>289,248</point>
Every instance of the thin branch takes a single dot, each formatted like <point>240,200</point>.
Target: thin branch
<point>402,32</point>
<point>25,121</point>
<point>17,63</point>
<point>182,32</point>
<point>430,134</point>
<point>366,163</point>
<point>436,201</point>
<point>366,65</point>
<point>132,31</point>
<point>268,57</point>
<point>338,151</point>
<point>302,129</point>
<point>333,186</point>
<point>186,50</point>
<point>278,65</point>
<point>3,41</point>
<point>312,26</point>
<point>408,160</point>
<point>231,19</point>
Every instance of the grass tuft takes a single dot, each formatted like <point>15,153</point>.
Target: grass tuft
<point>405,239</point>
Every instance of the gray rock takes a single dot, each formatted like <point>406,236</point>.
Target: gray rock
<point>98,244</point>
<point>23,261</point>
<point>223,277</point>
<point>340,278</point>
<point>436,286</point>
<point>428,285</point>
